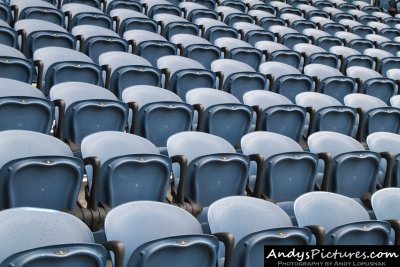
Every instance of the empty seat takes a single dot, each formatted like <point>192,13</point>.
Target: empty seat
<point>81,14</point>
<point>24,107</point>
<point>285,79</point>
<point>254,223</point>
<point>196,48</point>
<point>239,50</point>
<point>288,36</point>
<point>46,237</point>
<point>372,83</point>
<point>385,203</point>
<point>237,78</point>
<point>349,169</point>
<point>386,144</point>
<point>212,29</point>
<point>231,15</point>
<point>57,64</point>
<point>274,51</point>
<point>210,169</point>
<point>276,113</point>
<point>39,33</point>
<point>8,36</point>
<point>330,81</point>
<point>37,10</point>
<point>154,7</point>
<point>252,33</point>
<point>220,114</point>
<point>376,115</point>
<point>155,108</point>
<point>125,69</point>
<point>46,176</point>
<point>149,45</point>
<point>95,40</point>
<point>193,10</point>
<point>183,74</point>
<point>328,113</point>
<point>14,65</point>
<point>350,57</point>
<point>122,155</point>
<point>315,54</point>
<point>123,5</point>
<point>155,244</point>
<point>342,219</point>
<point>128,19</point>
<point>85,109</point>
<point>275,180</point>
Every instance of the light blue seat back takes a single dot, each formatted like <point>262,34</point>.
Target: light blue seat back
<point>30,228</point>
<point>125,155</point>
<point>238,77</point>
<point>158,109</point>
<point>223,114</point>
<point>89,109</point>
<point>254,223</point>
<point>14,65</point>
<point>64,65</point>
<point>36,9</point>
<point>330,114</point>
<point>129,70</point>
<point>43,176</point>
<point>345,221</point>
<point>387,142</point>
<point>151,218</point>
<point>24,107</point>
<point>185,74</point>
<point>385,203</point>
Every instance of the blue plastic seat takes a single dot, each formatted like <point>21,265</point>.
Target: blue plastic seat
<point>275,180</point>
<point>123,5</point>
<point>350,57</point>
<point>288,36</point>
<point>24,107</point>
<point>330,81</point>
<point>154,7</point>
<point>197,48</point>
<point>328,114</point>
<point>14,65</point>
<point>349,169</point>
<point>210,169</point>
<point>314,54</point>
<point>183,74</point>
<point>231,15</point>
<point>285,79</point>
<point>127,70</point>
<point>372,83</point>
<point>173,24</point>
<point>239,50</point>
<point>182,242</point>
<point>128,19</point>
<point>42,176</point>
<point>81,14</point>
<point>252,33</point>
<point>237,78</point>
<point>342,220</point>
<point>93,3</point>
<point>85,109</point>
<point>8,36</point>
<point>392,47</point>
<point>212,29</point>
<point>254,223</point>
<point>193,10</point>
<point>45,237</point>
<point>149,45</point>
<point>123,155</point>
<point>220,114</point>
<point>155,108</point>
<point>386,144</point>
<point>274,51</point>
<point>277,114</point>
<point>57,64</point>
<point>385,204</point>
<point>95,40</point>
<point>37,33</point>
<point>37,10</point>
<point>376,115</point>
<point>5,13</point>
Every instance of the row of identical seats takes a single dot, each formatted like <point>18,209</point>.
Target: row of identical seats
<point>244,225</point>
<point>204,168</point>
